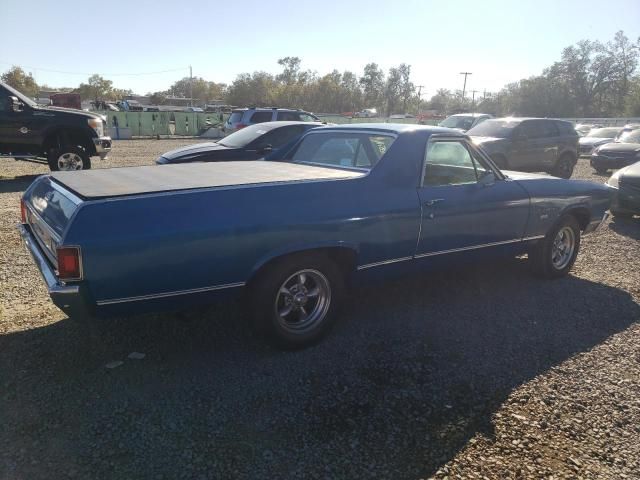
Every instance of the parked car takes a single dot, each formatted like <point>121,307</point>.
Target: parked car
<point>366,113</point>
<point>625,183</point>
<point>64,138</point>
<point>250,143</point>
<point>597,137</point>
<point>529,144</point>
<point>345,204</point>
<point>583,128</point>
<point>621,153</point>
<point>243,117</point>
<point>464,121</point>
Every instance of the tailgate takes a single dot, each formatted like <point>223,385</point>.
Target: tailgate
<point>48,211</point>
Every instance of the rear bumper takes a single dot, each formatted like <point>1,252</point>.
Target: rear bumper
<point>598,161</point>
<point>67,298</point>
<point>103,146</point>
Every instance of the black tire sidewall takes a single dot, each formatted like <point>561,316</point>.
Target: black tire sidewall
<point>54,154</point>
<point>263,291</point>
<point>541,254</point>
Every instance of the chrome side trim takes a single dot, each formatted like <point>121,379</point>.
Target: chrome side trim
<point>472,247</point>
<point>535,237</point>
<point>384,262</point>
<point>154,296</point>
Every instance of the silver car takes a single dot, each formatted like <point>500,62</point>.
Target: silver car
<point>243,117</point>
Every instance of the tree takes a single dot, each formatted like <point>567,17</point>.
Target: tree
<point>21,81</point>
<point>203,90</point>
<point>96,88</point>
<point>372,83</point>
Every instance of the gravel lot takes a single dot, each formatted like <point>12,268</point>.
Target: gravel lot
<point>470,373</point>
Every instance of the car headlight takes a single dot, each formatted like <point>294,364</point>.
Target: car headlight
<point>97,125</point>
<point>614,180</point>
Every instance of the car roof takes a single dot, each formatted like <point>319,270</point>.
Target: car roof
<point>265,109</point>
<point>471,115</point>
<point>272,125</point>
<point>397,128</point>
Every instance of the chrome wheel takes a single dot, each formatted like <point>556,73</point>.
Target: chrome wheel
<point>563,247</point>
<point>69,161</point>
<point>303,300</point>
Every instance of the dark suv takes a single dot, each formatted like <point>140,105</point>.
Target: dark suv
<point>529,144</point>
<point>63,137</point>
<point>242,117</point>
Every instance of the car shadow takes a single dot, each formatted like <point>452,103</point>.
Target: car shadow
<point>629,227</point>
<point>16,184</point>
<point>414,369</point>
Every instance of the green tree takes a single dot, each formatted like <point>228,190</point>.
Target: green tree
<point>372,83</point>
<point>24,82</point>
<point>96,88</point>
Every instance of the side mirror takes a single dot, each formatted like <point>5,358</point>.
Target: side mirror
<point>15,104</point>
<point>487,180</point>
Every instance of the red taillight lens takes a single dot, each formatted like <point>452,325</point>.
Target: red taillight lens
<point>240,125</point>
<point>23,211</point>
<point>69,263</point>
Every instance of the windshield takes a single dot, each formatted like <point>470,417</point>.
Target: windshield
<point>632,136</point>
<point>458,121</point>
<point>603,133</point>
<point>343,149</point>
<point>23,98</point>
<point>494,128</point>
<point>243,137</point>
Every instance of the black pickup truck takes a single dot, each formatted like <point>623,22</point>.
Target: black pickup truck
<point>64,138</point>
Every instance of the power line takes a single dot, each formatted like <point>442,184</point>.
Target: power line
<point>29,67</point>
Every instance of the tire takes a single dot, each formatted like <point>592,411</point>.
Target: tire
<point>564,166</point>
<point>549,258</point>
<point>501,161</point>
<point>281,296</point>
<point>68,158</point>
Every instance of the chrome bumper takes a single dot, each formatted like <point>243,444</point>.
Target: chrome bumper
<point>103,146</point>
<point>66,297</point>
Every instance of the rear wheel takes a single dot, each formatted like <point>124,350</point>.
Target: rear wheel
<point>554,256</point>
<point>294,301</point>
<point>68,158</point>
<point>564,166</point>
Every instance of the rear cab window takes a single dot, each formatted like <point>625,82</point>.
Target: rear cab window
<point>343,149</point>
<point>235,117</point>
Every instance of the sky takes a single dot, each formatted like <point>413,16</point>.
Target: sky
<point>129,42</point>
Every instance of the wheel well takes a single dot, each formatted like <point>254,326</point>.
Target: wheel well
<point>570,154</point>
<point>582,215</point>
<point>66,136</point>
<point>344,257</point>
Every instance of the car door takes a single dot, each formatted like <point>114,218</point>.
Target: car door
<point>466,205</point>
<point>20,131</point>
<point>532,146</point>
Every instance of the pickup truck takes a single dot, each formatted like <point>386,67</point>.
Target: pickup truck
<point>345,204</point>
<point>64,138</point>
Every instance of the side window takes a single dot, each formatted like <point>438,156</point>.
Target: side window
<point>550,129</point>
<point>533,129</point>
<point>4,101</point>
<point>288,116</point>
<point>305,117</point>
<point>279,136</point>
<point>261,117</point>
<point>448,163</point>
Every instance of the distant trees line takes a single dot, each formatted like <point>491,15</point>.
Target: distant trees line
<point>590,79</point>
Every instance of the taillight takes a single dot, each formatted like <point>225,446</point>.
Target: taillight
<point>23,211</point>
<point>69,263</point>
<point>240,125</point>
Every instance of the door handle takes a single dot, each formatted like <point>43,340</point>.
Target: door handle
<point>433,201</point>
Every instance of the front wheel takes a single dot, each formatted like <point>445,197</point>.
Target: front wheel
<point>554,255</point>
<point>294,300</point>
<point>68,158</point>
<point>564,167</point>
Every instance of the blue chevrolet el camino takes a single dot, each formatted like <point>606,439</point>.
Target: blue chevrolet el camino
<point>347,202</point>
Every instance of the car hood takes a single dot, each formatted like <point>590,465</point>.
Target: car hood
<point>593,140</point>
<point>631,174</point>
<point>193,151</point>
<point>620,147</point>
<point>69,111</point>
<point>486,140</point>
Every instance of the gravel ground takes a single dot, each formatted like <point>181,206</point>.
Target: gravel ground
<point>469,373</point>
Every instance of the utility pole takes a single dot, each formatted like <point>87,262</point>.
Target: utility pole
<point>484,95</point>
<point>464,87</point>
<point>190,86</point>
<point>420,87</point>
<point>473,96</point>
